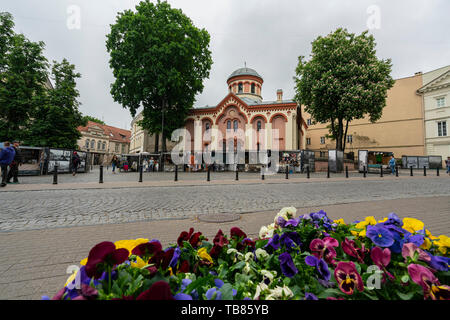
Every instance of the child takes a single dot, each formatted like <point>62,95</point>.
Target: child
<point>125,166</point>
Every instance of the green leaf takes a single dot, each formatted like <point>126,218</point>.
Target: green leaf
<point>238,266</point>
<point>405,296</point>
<point>227,292</point>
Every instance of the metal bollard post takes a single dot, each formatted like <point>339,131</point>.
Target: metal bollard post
<point>262,173</point>
<point>346,171</point>
<point>396,171</point>
<point>364,171</point>
<point>237,174</point>
<point>307,172</point>
<point>381,171</point>
<point>411,173</point>
<point>101,175</point>
<point>424,171</point>
<point>140,173</point>
<point>55,175</point>
<point>437,171</point>
<point>209,174</point>
<point>176,173</point>
<point>328,172</point>
<point>287,172</point>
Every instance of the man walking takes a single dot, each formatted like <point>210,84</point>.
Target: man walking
<point>14,166</point>
<point>75,163</point>
<point>392,164</point>
<point>6,157</point>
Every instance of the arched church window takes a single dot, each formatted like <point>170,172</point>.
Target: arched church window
<point>228,125</point>
<point>93,144</point>
<point>207,126</point>
<point>235,125</point>
<point>253,88</point>
<point>240,88</point>
<point>258,126</point>
<point>87,143</point>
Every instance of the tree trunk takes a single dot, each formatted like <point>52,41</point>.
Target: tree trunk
<point>156,142</point>
<point>345,136</point>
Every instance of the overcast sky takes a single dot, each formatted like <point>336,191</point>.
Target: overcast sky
<point>268,35</point>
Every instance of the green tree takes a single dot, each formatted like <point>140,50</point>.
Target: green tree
<point>344,80</point>
<point>93,119</point>
<point>23,73</point>
<point>159,60</point>
<point>56,121</point>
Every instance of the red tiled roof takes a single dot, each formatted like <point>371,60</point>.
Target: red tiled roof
<point>114,134</point>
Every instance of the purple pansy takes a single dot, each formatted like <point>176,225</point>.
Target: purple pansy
<point>213,294</point>
<point>310,296</point>
<point>287,265</point>
<point>320,265</point>
<point>380,236</point>
<point>274,242</point>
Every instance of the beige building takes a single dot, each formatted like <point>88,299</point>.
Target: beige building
<point>435,93</point>
<point>400,129</point>
<point>103,141</point>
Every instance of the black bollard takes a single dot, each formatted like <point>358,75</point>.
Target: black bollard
<point>328,172</point>
<point>381,171</point>
<point>176,173</point>
<point>55,175</point>
<point>346,171</point>
<point>262,173</point>
<point>287,172</point>
<point>237,174</point>
<point>411,174</point>
<point>140,173</point>
<point>307,172</point>
<point>437,171</point>
<point>209,174</point>
<point>424,171</point>
<point>101,175</point>
<point>364,171</point>
<point>396,171</point>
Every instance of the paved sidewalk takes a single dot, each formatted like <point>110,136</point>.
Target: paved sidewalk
<point>34,263</point>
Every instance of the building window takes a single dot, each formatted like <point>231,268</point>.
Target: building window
<point>240,88</point>
<point>99,145</point>
<point>87,143</point>
<point>235,125</point>
<point>207,126</point>
<point>104,146</point>
<point>253,88</point>
<point>228,125</point>
<point>349,138</point>
<point>322,154</point>
<point>308,122</point>
<point>440,102</point>
<point>442,128</point>
<point>258,126</point>
<point>308,141</point>
<point>93,144</point>
<point>123,148</point>
<point>117,147</point>
<point>322,140</point>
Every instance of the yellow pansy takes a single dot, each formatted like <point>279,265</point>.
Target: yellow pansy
<point>382,220</point>
<point>443,243</point>
<point>340,221</point>
<point>426,244</point>
<point>429,235</point>
<point>83,262</point>
<point>139,263</point>
<point>371,220</point>
<point>202,253</point>
<point>171,271</point>
<point>412,225</point>
<point>130,244</point>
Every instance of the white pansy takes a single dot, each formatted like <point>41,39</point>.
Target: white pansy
<point>263,232</point>
<point>279,293</point>
<point>261,254</point>
<point>269,275</point>
<point>247,269</point>
<point>249,256</point>
<point>260,288</point>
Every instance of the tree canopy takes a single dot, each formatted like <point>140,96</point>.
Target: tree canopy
<point>344,80</point>
<point>159,60</point>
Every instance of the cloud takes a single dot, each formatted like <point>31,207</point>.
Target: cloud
<point>268,35</point>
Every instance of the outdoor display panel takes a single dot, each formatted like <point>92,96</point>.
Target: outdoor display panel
<point>362,160</point>
<point>418,162</point>
<point>336,160</point>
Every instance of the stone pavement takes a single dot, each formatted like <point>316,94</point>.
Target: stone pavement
<point>34,263</point>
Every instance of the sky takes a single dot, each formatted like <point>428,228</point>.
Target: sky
<point>266,35</point>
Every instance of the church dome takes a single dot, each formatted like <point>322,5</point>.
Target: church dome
<point>244,72</point>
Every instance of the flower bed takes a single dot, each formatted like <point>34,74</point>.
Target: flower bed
<point>305,257</point>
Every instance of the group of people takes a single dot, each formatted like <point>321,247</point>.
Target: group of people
<point>10,160</point>
<point>148,165</point>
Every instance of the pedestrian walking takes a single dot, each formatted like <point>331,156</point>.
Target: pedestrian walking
<point>447,162</point>
<point>14,166</point>
<point>145,165</point>
<point>151,164</point>
<point>391,164</point>
<point>75,163</point>
<point>156,166</point>
<point>6,157</point>
<point>114,163</point>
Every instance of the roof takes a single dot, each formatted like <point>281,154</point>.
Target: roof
<point>114,134</point>
<point>244,72</point>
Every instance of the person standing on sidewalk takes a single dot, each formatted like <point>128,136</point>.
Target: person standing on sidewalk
<point>14,166</point>
<point>392,164</point>
<point>6,157</point>
<point>114,163</point>
<point>75,163</point>
<point>447,162</point>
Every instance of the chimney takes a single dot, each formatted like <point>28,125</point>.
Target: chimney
<point>418,73</point>
<point>279,95</point>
